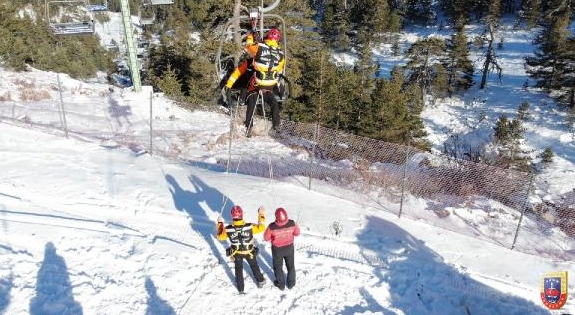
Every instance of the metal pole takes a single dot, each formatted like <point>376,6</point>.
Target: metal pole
<point>524,208</point>
<point>151,120</point>
<point>230,138</point>
<point>403,180</point>
<point>65,125</point>
<point>315,133</point>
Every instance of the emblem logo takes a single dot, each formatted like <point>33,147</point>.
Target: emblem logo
<point>554,289</point>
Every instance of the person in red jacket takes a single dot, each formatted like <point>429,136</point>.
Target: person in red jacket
<point>281,234</point>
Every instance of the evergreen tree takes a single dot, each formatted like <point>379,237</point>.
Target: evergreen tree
<point>422,57</point>
<point>373,17</point>
<point>365,70</point>
<point>531,12</point>
<point>342,110</point>
<point>457,10</point>
<point>508,136</point>
<point>26,41</point>
<point>553,62</point>
<point>459,66</point>
<point>314,100</point>
<point>547,156</point>
<point>169,84</point>
<point>335,26</point>
<point>394,118</point>
<point>420,12</point>
<point>502,130</point>
<point>523,111</point>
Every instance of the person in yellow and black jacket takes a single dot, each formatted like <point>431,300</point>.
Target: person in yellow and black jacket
<point>267,61</point>
<point>241,236</point>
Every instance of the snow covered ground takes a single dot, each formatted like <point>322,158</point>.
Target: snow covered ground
<point>91,227</point>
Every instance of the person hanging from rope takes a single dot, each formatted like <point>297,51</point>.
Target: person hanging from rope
<point>281,234</point>
<point>241,237</point>
<point>267,60</point>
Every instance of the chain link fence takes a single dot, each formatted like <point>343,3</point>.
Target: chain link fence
<point>482,201</point>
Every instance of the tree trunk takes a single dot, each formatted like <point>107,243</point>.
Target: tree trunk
<point>488,60</point>
<point>236,23</point>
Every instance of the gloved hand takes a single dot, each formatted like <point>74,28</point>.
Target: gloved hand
<point>220,219</point>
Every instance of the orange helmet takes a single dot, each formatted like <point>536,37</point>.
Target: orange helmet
<point>237,213</point>
<point>274,34</point>
<point>281,216</point>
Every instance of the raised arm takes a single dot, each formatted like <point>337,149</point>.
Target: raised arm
<point>221,230</point>
<point>261,226</point>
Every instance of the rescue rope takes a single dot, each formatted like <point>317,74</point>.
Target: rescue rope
<point>270,164</point>
<point>230,140</point>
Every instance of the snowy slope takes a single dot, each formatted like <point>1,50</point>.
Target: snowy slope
<point>94,228</point>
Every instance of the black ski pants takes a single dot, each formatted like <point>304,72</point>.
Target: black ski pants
<point>279,256</point>
<point>239,269</point>
<point>270,99</point>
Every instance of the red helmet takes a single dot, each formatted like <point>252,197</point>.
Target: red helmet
<point>281,216</point>
<point>274,34</point>
<point>237,213</point>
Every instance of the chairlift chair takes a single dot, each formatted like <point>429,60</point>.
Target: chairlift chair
<point>225,63</point>
<point>147,20</point>
<point>148,17</point>
<point>98,6</point>
<point>158,2</point>
<point>84,25</point>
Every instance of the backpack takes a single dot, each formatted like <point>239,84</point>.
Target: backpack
<point>266,63</point>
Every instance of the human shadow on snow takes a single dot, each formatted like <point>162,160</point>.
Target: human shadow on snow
<point>191,202</point>
<point>118,111</point>
<point>54,294</point>
<point>5,288</point>
<point>420,282</point>
<point>156,305</point>
<point>214,200</point>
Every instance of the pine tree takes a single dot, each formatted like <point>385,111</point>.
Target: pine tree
<point>422,56</point>
<point>547,156</point>
<point>420,12</point>
<point>553,62</point>
<point>523,111</point>
<point>502,130</point>
<point>373,16</point>
<point>457,10</point>
<point>531,12</point>
<point>459,66</point>
<point>508,136</point>
<point>342,108</point>
<point>394,117</point>
<point>169,84</point>
<point>318,82</point>
<point>335,26</point>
